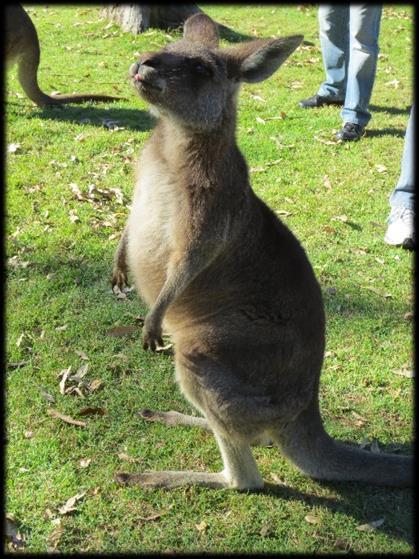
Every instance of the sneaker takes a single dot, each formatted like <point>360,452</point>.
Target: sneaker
<point>351,132</point>
<point>400,230</point>
<point>319,101</point>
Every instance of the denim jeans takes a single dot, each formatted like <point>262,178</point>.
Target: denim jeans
<point>349,42</point>
<point>404,193</point>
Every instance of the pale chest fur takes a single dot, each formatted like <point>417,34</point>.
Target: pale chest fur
<point>154,220</point>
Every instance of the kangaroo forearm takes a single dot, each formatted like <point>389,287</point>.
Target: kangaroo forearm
<point>181,272</point>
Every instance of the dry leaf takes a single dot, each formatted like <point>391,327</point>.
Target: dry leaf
<point>154,516</point>
<point>260,120</point>
<point>20,340</point>
<point>13,148</point>
<point>165,350</point>
<point>84,462</point>
<point>65,375</point>
<point>17,364</point>
<point>76,191</point>
<point>122,331</point>
<point>81,372</point>
<point>257,98</point>
<point>283,212</point>
<point>54,538</point>
<point>92,411</point>
<point>296,84</point>
<point>95,384</point>
<point>257,169</point>
<point>408,315</point>
<point>81,354</point>
<point>359,417</point>
<point>326,142</point>
<point>28,434</point>
<point>69,506</point>
<point>405,373</point>
<point>74,218</point>
<point>370,525</point>
<point>311,519</point>
<point>57,415</point>
<point>329,229</point>
<point>381,168</point>
<point>326,182</point>
<point>265,531</point>
<point>125,456</point>
<point>343,218</point>
<point>201,527</point>
<point>340,543</point>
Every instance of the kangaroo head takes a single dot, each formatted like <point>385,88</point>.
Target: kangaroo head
<point>195,83</point>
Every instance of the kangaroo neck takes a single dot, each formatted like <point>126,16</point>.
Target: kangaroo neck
<point>206,157</point>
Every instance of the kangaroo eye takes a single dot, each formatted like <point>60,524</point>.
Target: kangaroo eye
<point>200,69</point>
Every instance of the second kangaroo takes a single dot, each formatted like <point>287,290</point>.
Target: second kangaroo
<point>226,278</point>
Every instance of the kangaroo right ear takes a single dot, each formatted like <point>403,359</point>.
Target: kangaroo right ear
<point>255,61</point>
<point>200,28</point>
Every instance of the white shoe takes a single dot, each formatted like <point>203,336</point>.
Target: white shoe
<point>400,230</point>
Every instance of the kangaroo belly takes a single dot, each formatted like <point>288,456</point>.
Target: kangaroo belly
<point>154,215</point>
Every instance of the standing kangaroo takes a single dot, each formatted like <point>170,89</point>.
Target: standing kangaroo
<point>22,47</point>
<point>228,280</point>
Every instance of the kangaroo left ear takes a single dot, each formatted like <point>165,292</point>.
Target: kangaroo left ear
<point>257,60</point>
<point>200,28</point>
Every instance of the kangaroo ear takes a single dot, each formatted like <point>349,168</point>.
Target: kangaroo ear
<point>255,61</point>
<point>200,28</point>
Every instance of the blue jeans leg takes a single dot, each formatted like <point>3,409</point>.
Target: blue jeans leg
<point>334,41</point>
<point>404,193</point>
<point>364,29</point>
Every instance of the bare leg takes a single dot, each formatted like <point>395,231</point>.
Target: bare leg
<point>120,269</point>
<point>240,472</point>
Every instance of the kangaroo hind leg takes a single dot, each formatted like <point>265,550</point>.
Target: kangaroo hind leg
<point>240,472</point>
<point>174,418</point>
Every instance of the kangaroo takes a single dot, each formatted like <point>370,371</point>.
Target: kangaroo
<point>22,47</point>
<point>226,278</point>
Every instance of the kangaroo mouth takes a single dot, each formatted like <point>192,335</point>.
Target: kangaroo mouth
<point>145,83</point>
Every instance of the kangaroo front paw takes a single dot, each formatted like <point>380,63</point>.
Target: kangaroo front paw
<point>152,335</point>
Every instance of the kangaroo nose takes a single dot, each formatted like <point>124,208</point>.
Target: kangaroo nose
<point>133,69</point>
<point>149,59</point>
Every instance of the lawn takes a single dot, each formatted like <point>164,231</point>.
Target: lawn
<point>70,174</point>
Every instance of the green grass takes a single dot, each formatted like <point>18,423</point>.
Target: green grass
<point>60,276</point>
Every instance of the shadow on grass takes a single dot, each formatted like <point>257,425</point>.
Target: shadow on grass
<point>364,303</point>
<point>347,501</point>
<point>399,132</point>
<point>389,110</point>
<point>232,36</point>
<point>132,119</point>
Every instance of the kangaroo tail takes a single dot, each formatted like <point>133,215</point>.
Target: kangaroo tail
<point>307,445</point>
